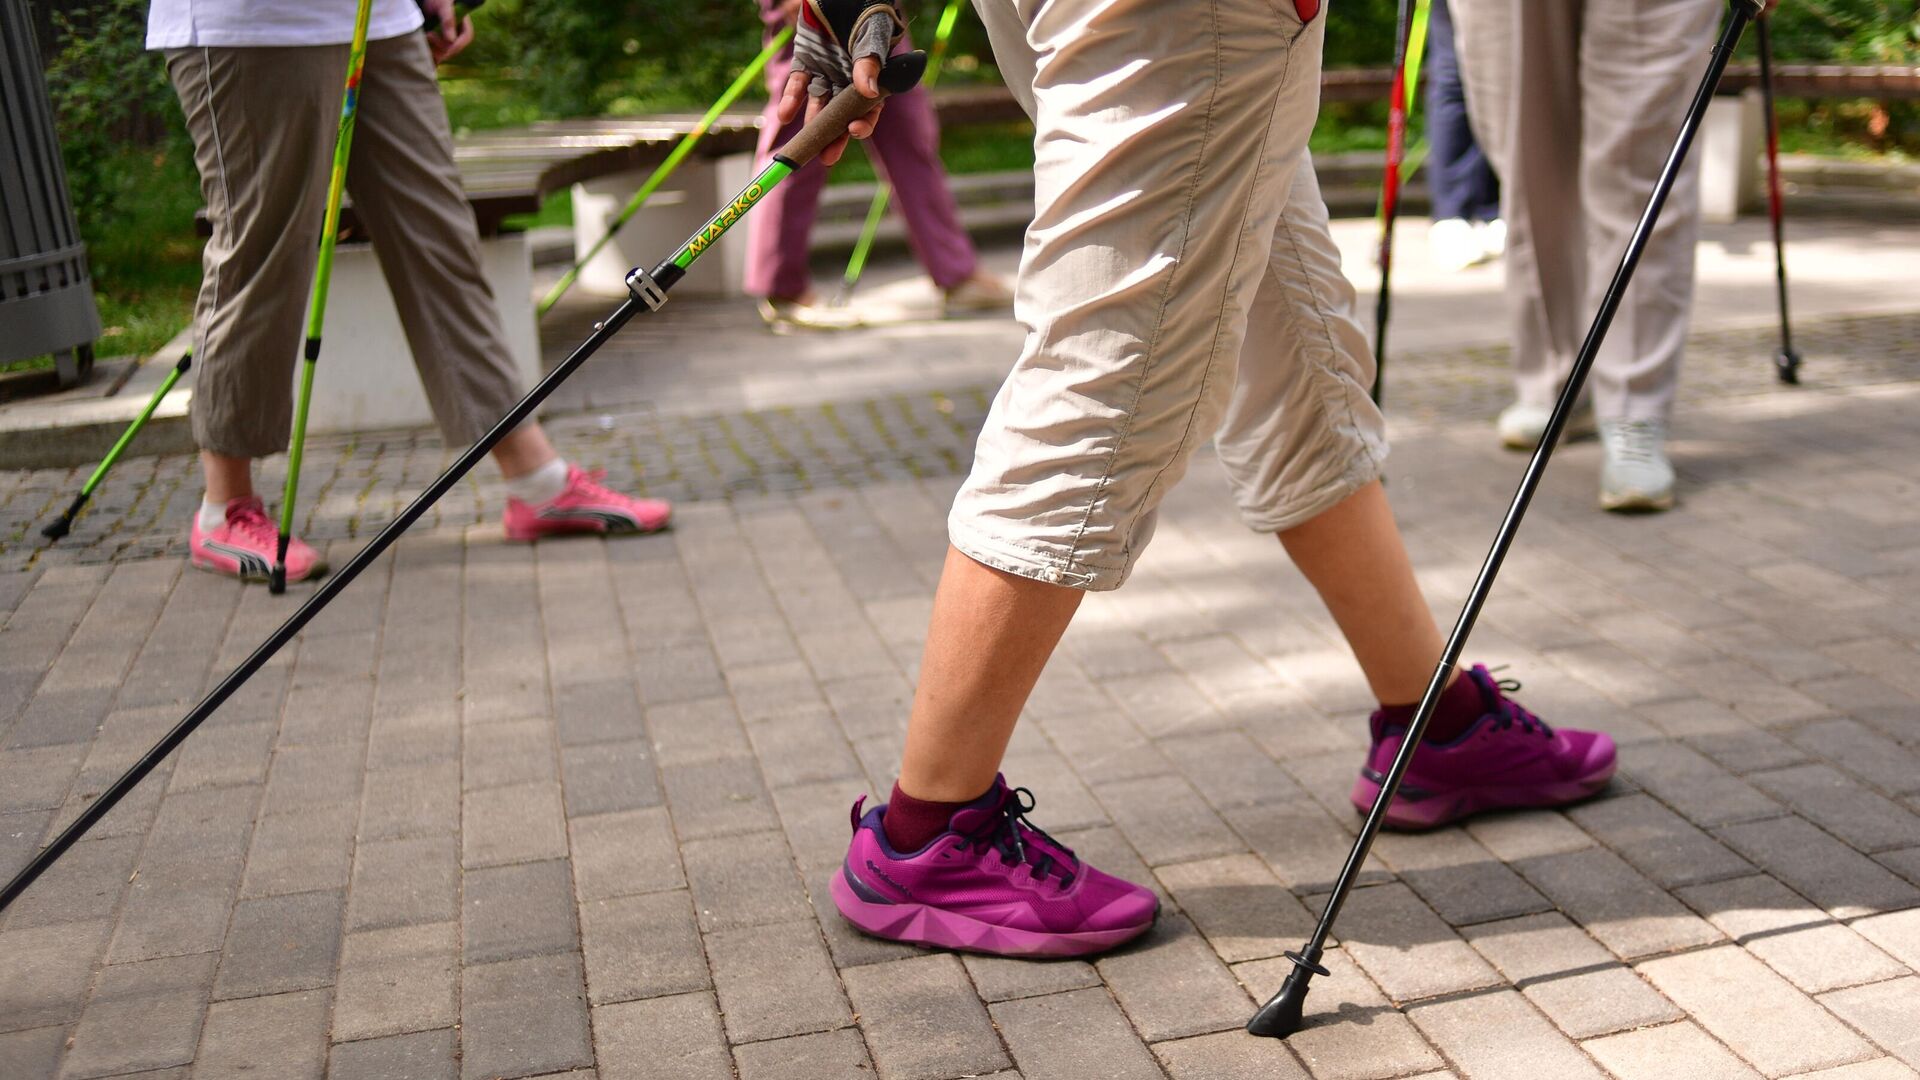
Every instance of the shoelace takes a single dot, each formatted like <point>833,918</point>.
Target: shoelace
<point>253,524</point>
<point>1003,832</point>
<point>1636,442</point>
<point>1510,711</point>
<point>590,484</point>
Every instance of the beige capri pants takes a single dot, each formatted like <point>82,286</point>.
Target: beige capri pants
<point>263,122</point>
<point>1178,281</point>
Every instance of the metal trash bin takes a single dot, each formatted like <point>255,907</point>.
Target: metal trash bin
<point>46,293</point>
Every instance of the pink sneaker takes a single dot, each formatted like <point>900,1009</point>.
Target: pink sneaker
<point>1508,758</point>
<point>992,883</point>
<point>585,507</point>
<point>244,546</point>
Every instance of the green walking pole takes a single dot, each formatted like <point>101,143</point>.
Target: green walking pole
<point>63,524</point>
<point>857,262</point>
<point>317,304</point>
<point>1411,41</point>
<point>647,292</point>
<point>665,169</point>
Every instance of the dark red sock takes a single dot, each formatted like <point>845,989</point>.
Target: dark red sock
<point>911,822</point>
<point>1460,705</point>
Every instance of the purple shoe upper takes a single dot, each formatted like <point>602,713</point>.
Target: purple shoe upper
<point>1508,758</point>
<point>993,882</point>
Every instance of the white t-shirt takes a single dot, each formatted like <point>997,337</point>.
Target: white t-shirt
<point>179,24</point>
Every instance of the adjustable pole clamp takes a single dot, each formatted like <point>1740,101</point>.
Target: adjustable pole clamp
<point>645,289</point>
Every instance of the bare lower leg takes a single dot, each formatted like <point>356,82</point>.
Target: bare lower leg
<point>523,451</point>
<point>228,478</point>
<point>1353,555</point>
<point>989,639</point>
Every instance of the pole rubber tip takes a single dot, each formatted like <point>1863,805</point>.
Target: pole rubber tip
<point>902,72</point>
<point>277,580</point>
<point>1786,363</point>
<point>57,528</point>
<point>1283,1014</point>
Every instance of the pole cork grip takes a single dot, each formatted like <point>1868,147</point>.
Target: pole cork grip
<point>900,74</point>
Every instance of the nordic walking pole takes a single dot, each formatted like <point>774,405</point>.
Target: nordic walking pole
<point>877,210</point>
<point>1281,1015</point>
<point>63,524</point>
<point>1406,74</point>
<point>317,302</point>
<point>1786,362</point>
<point>648,292</point>
<point>665,169</point>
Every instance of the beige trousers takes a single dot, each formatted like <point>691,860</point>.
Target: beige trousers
<point>263,122</point>
<point>1577,103</point>
<point>1178,282</point>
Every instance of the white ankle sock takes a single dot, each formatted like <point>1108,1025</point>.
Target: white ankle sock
<point>542,484</point>
<point>212,515</point>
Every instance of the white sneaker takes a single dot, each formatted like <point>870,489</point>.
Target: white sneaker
<point>1637,475</point>
<point>1454,244</point>
<point>1522,426</point>
<point>1493,237</point>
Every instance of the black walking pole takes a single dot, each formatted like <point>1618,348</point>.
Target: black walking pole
<point>1390,192</point>
<point>1281,1015</point>
<point>649,292</point>
<point>1786,362</point>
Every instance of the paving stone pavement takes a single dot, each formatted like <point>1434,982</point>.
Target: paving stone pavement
<point>569,809</point>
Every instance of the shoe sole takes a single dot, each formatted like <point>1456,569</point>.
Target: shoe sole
<point>1433,811</point>
<point>1635,502</point>
<point>206,566</point>
<point>586,530</point>
<point>931,927</point>
<point>1583,426</point>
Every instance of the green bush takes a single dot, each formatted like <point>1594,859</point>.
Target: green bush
<point>108,94</point>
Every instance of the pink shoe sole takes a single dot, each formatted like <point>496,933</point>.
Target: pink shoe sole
<point>1432,811</point>
<point>211,567</point>
<point>919,924</point>
<point>522,534</point>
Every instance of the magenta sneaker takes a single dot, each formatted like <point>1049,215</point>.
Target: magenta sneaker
<point>992,883</point>
<point>585,507</point>
<point>244,546</point>
<point>1508,758</point>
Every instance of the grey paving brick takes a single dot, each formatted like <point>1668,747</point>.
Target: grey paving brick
<point>175,908</point>
<point>641,947</point>
<point>677,673</point>
<point>1528,834</point>
<point>610,776</point>
<point>922,1019</point>
<point>603,710</point>
<point>670,1038</point>
<point>1528,1045</point>
<point>34,1054</point>
<point>1405,947</point>
<point>1239,906</point>
<point>804,746</point>
<point>410,801</point>
<point>743,881</point>
<point>1865,753</point>
<point>1457,877</point>
<point>1757,1013</point>
<point>1865,820</point>
<point>1626,912</point>
<point>301,852</point>
<point>517,823</point>
<point>83,885</point>
<point>828,1055</point>
<point>1792,936</point>
<point>510,752</point>
<point>144,1015</point>
<point>622,854</point>
<point>1884,1011</point>
<point>1071,1036</point>
<point>1304,847</point>
<point>1747,749</point>
<point>523,1017</point>
<point>1228,769</point>
<point>688,732</point>
<point>775,981</point>
<point>1667,1050</point>
<point>304,777</point>
<point>224,756</point>
<point>281,943</point>
<point>1658,842</point>
<point>45,972</point>
<point>1166,820</point>
<point>1228,1055</point>
<point>1898,934</point>
<point>1568,976</point>
<point>420,1055</point>
<point>1820,868</point>
<point>415,739</point>
<point>37,779</point>
<point>1878,1069</point>
<point>1351,1032</point>
<point>404,883</point>
<point>1687,781</point>
<point>1171,985</point>
<point>718,798</point>
<point>508,912</point>
<point>396,980</point>
<point>998,978</point>
<point>280,1036</point>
